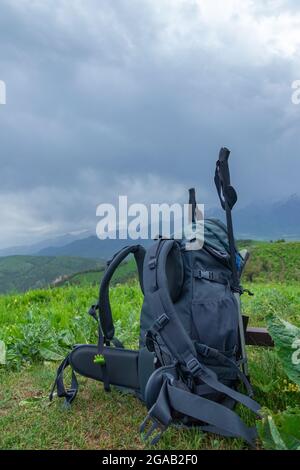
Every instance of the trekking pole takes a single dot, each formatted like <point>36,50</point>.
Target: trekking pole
<point>228,198</point>
<point>192,204</point>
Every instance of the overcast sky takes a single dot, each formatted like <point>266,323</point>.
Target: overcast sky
<point>136,97</point>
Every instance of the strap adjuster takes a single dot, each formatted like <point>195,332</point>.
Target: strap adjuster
<point>162,320</point>
<point>93,311</point>
<point>160,323</point>
<point>155,328</point>
<point>208,275</point>
<point>193,366</point>
<point>204,350</point>
<point>152,263</point>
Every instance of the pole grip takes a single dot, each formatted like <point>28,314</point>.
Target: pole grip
<point>224,155</point>
<point>224,167</point>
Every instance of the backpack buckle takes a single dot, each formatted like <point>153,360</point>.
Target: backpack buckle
<point>155,328</point>
<point>159,323</point>
<point>162,320</point>
<point>193,366</point>
<point>152,263</point>
<point>208,275</point>
<point>204,350</point>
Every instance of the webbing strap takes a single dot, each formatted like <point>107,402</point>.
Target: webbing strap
<point>70,393</point>
<point>226,192</point>
<point>209,378</point>
<point>209,412</point>
<point>216,417</point>
<point>100,350</point>
<point>212,276</point>
<point>209,352</point>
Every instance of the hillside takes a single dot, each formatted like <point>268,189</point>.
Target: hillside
<point>125,272</point>
<point>269,262</point>
<point>273,262</point>
<point>277,261</point>
<point>20,273</point>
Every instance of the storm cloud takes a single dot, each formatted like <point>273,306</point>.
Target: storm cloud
<point>136,97</point>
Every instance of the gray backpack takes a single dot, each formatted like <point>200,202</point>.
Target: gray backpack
<point>190,358</point>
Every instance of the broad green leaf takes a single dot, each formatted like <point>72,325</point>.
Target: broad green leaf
<point>281,431</point>
<point>287,342</point>
<point>51,355</point>
<point>67,339</point>
<point>2,352</point>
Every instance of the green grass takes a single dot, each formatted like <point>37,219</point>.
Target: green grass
<point>40,325</point>
<point>272,298</point>
<point>269,262</point>
<point>273,262</point>
<point>108,420</point>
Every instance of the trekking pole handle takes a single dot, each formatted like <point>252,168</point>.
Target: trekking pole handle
<point>224,168</point>
<point>224,154</point>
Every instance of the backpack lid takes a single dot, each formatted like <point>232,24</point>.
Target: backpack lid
<point>212,232</point>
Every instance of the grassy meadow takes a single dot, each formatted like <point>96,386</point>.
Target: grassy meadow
<point>39,326</point>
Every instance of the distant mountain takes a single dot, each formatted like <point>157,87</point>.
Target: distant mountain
<point>20,273</point>
<point>33,249</point>
<point>263,221</point>
<point>266,221</point>
<point>256,221</point>
<point>91,247</point>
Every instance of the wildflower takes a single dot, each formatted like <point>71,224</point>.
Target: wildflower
<point>291,387</point>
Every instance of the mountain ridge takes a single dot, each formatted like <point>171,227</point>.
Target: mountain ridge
<point>265,221</point>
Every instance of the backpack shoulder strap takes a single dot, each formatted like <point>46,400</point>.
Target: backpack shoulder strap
<point>105,313</point>
<point>156,289</point>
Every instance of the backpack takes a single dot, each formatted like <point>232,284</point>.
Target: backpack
<point>191,354</point>
<point>189,362</point>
